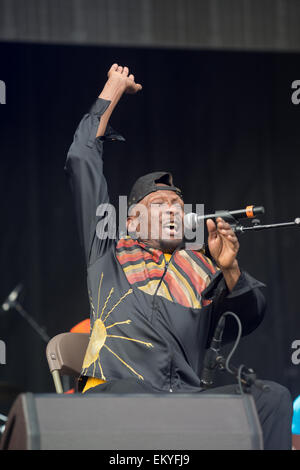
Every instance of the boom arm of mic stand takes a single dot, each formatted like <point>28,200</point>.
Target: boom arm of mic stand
<point>241,229</point>
<point>40,331</point>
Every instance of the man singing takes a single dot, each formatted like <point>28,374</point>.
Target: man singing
<point>154,304</point>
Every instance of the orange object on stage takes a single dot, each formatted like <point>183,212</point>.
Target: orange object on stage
<point>81,327</point>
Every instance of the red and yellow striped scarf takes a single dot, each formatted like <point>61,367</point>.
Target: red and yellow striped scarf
<point>188,274</point>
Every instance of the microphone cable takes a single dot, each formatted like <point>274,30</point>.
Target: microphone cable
<point>236,343</point>
<point>238,338</point>
<point>238,373</point>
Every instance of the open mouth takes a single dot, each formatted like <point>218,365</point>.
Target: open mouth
<point>171,228</point>
<point>174,223</point>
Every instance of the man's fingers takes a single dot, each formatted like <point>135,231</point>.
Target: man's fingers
<point>222,224</point>
<point>233,238</point>
<point>224,229</point>
<point>228,233</point>
<point>211,227</point>
<point>131,86</point>
<point>123,70</point>
<point>113,68</point>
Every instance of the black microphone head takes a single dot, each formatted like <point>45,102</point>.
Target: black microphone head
<point>258,210</point>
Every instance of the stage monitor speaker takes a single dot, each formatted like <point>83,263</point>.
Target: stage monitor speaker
<point>132,422</point>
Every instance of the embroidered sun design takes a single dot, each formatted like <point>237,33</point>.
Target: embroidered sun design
<point>100,334</point>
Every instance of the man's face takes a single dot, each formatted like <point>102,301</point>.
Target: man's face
<point>158,220</point>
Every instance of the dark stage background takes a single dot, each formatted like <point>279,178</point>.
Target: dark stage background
<point>222,122</point>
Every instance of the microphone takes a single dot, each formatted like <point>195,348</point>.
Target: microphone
<point>192,220</point>
<point>11,301</point>
<point>211,354</point>
<point>8,303</point>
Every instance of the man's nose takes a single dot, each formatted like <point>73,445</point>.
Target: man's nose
<point>171,207</point>
<point>172,211</point>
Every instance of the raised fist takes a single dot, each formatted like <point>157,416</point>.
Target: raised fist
<point>120,75</point>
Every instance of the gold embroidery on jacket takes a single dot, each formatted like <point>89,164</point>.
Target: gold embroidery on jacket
<point>99,335</point>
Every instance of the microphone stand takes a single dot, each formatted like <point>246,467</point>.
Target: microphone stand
<point>40,331</point>
<point>257,226</point>
<point>12,302</point>
<point>246,378</point>
<point>214,360</point>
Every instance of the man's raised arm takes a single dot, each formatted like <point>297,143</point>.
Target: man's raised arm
<point>84,165</point>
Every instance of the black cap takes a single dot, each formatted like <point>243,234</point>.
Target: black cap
<point>149,183</point>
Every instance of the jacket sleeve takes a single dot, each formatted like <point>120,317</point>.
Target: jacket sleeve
<point>245,300</point>
<point>84,169</point>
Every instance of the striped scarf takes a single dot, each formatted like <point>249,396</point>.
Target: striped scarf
<point>188,273</point>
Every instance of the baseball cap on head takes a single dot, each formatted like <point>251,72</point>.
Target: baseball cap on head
<point>149,183</point>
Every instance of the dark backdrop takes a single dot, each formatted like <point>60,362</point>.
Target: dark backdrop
<point>222,122</point>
